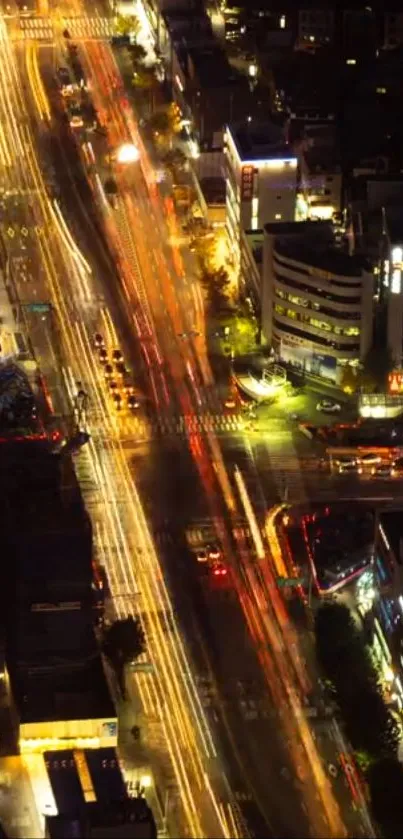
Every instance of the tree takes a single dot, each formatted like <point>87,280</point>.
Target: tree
<point>144,78</point>
<point>123,642</point>
<point>349,379</point>
<point>344,658</point>
<point>385,779</point>
<point>127,25</point>
<point>160,123</point>
<point>378,363</point>
<point>137,54</point>
<point>175,160</point>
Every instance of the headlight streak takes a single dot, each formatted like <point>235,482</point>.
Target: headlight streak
<point>187,733</point>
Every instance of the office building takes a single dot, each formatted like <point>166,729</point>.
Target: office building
<point>317,301</point>
<point>261,180</point>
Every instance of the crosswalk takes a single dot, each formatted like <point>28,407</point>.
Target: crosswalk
<point>137,429</point>
<point>79,28</point>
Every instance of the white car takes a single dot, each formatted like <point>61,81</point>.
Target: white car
<point>369,459</point>
<point>349,468</point>
<point>328,407</point>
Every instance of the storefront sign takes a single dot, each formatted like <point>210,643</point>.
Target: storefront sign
<point>247,183</point>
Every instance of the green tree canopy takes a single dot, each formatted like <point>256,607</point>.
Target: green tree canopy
<point>345,660</point>
<point>123,642</point>
<point>127,25</point>
<point>385,779</point>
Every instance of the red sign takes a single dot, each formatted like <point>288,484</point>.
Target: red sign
<point>395,382</point>
<point>247,183</point>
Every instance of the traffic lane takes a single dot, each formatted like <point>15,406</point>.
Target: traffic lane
<point>223,643</point>
<point>190,602</point>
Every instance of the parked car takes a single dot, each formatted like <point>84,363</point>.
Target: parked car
<point>327,406</point>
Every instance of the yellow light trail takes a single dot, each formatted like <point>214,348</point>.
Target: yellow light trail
<point>170,693</point>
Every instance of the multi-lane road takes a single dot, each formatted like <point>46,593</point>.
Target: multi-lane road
<point>224,707</point>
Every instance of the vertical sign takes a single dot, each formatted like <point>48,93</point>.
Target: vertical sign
<point>247,183</point>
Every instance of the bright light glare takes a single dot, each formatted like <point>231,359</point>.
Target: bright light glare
<point>128,153</point>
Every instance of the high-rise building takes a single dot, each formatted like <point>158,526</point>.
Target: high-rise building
<point>261,180</point>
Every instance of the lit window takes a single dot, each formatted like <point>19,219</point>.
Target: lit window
<point>351,61</point>
<point>381,90</point>
<point>277,216</point>
<point>282,22</point>
<point>396,281</point>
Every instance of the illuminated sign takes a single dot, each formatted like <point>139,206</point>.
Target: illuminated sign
<point>397,267</point>
<point>247,183</point>
<point>395,382</point>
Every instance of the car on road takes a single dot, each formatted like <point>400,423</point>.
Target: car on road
<point>219,570</point>
<point>113,386</point>
<point>76,120</point>
<point>117,398</point>
<point>397,468</point>
<point>121,369</point>
<point>99,340</point>
<point>349,468</point>
<point>213,552</point>
<point>201,555</point>
<point>117,356</point>
<point>103,356</point>
<point>382,470</point>
<point>328,406</point>
<point>108,370</point>
<point>369,459</point>
<point>132,402</point>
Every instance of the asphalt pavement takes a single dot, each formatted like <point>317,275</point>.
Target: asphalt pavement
<point>235,644</point>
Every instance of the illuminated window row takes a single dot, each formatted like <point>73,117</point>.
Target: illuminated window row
<point>325,326</point>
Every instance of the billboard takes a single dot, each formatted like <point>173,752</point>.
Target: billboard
<point>247,183</point>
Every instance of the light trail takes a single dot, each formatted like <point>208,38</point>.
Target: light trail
<point>170,693</point>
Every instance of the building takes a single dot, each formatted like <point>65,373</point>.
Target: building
<point>315,27</point>
<point>317,301</point>
<point>91,798</point>
<point>261,180</point>
<point>313,136</point>
<point>391,279</point>
<point>393,29</point>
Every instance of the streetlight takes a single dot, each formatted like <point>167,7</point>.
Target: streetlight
<point>127,153</point>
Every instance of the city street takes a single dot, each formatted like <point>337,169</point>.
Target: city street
<point>224,705</point>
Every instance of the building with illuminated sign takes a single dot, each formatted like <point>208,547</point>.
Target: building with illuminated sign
<point>317,301</point>
<point>261,180</point>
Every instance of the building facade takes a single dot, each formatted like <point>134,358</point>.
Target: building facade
<point>261,180</point>
<point>316,301</point>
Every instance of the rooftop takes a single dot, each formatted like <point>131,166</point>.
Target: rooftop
<point>312,243</point>
<point>210,65</point>
<point>257,140</point>
<point>64,692</point>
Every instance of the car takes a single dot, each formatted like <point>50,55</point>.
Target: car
<point>120,369</point>
<point>132,401</point>
<point>397,468</point>
<point>76,121</point>
<point>230,403</point>
<point>369,459</point>
<point>113,386</point>
<point>63,75</point>
<point>213,552</point>
<point>327,406</point>
<point>117,398</point>
<point>219,570</point>
<point>108,370</point>
<point>201,555</point>
<point>344,460</point>
<point>117,355</point>
<point>103,356</point>
<point>349,468</point>
<point>99,340</point>
<point>382,470</point>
